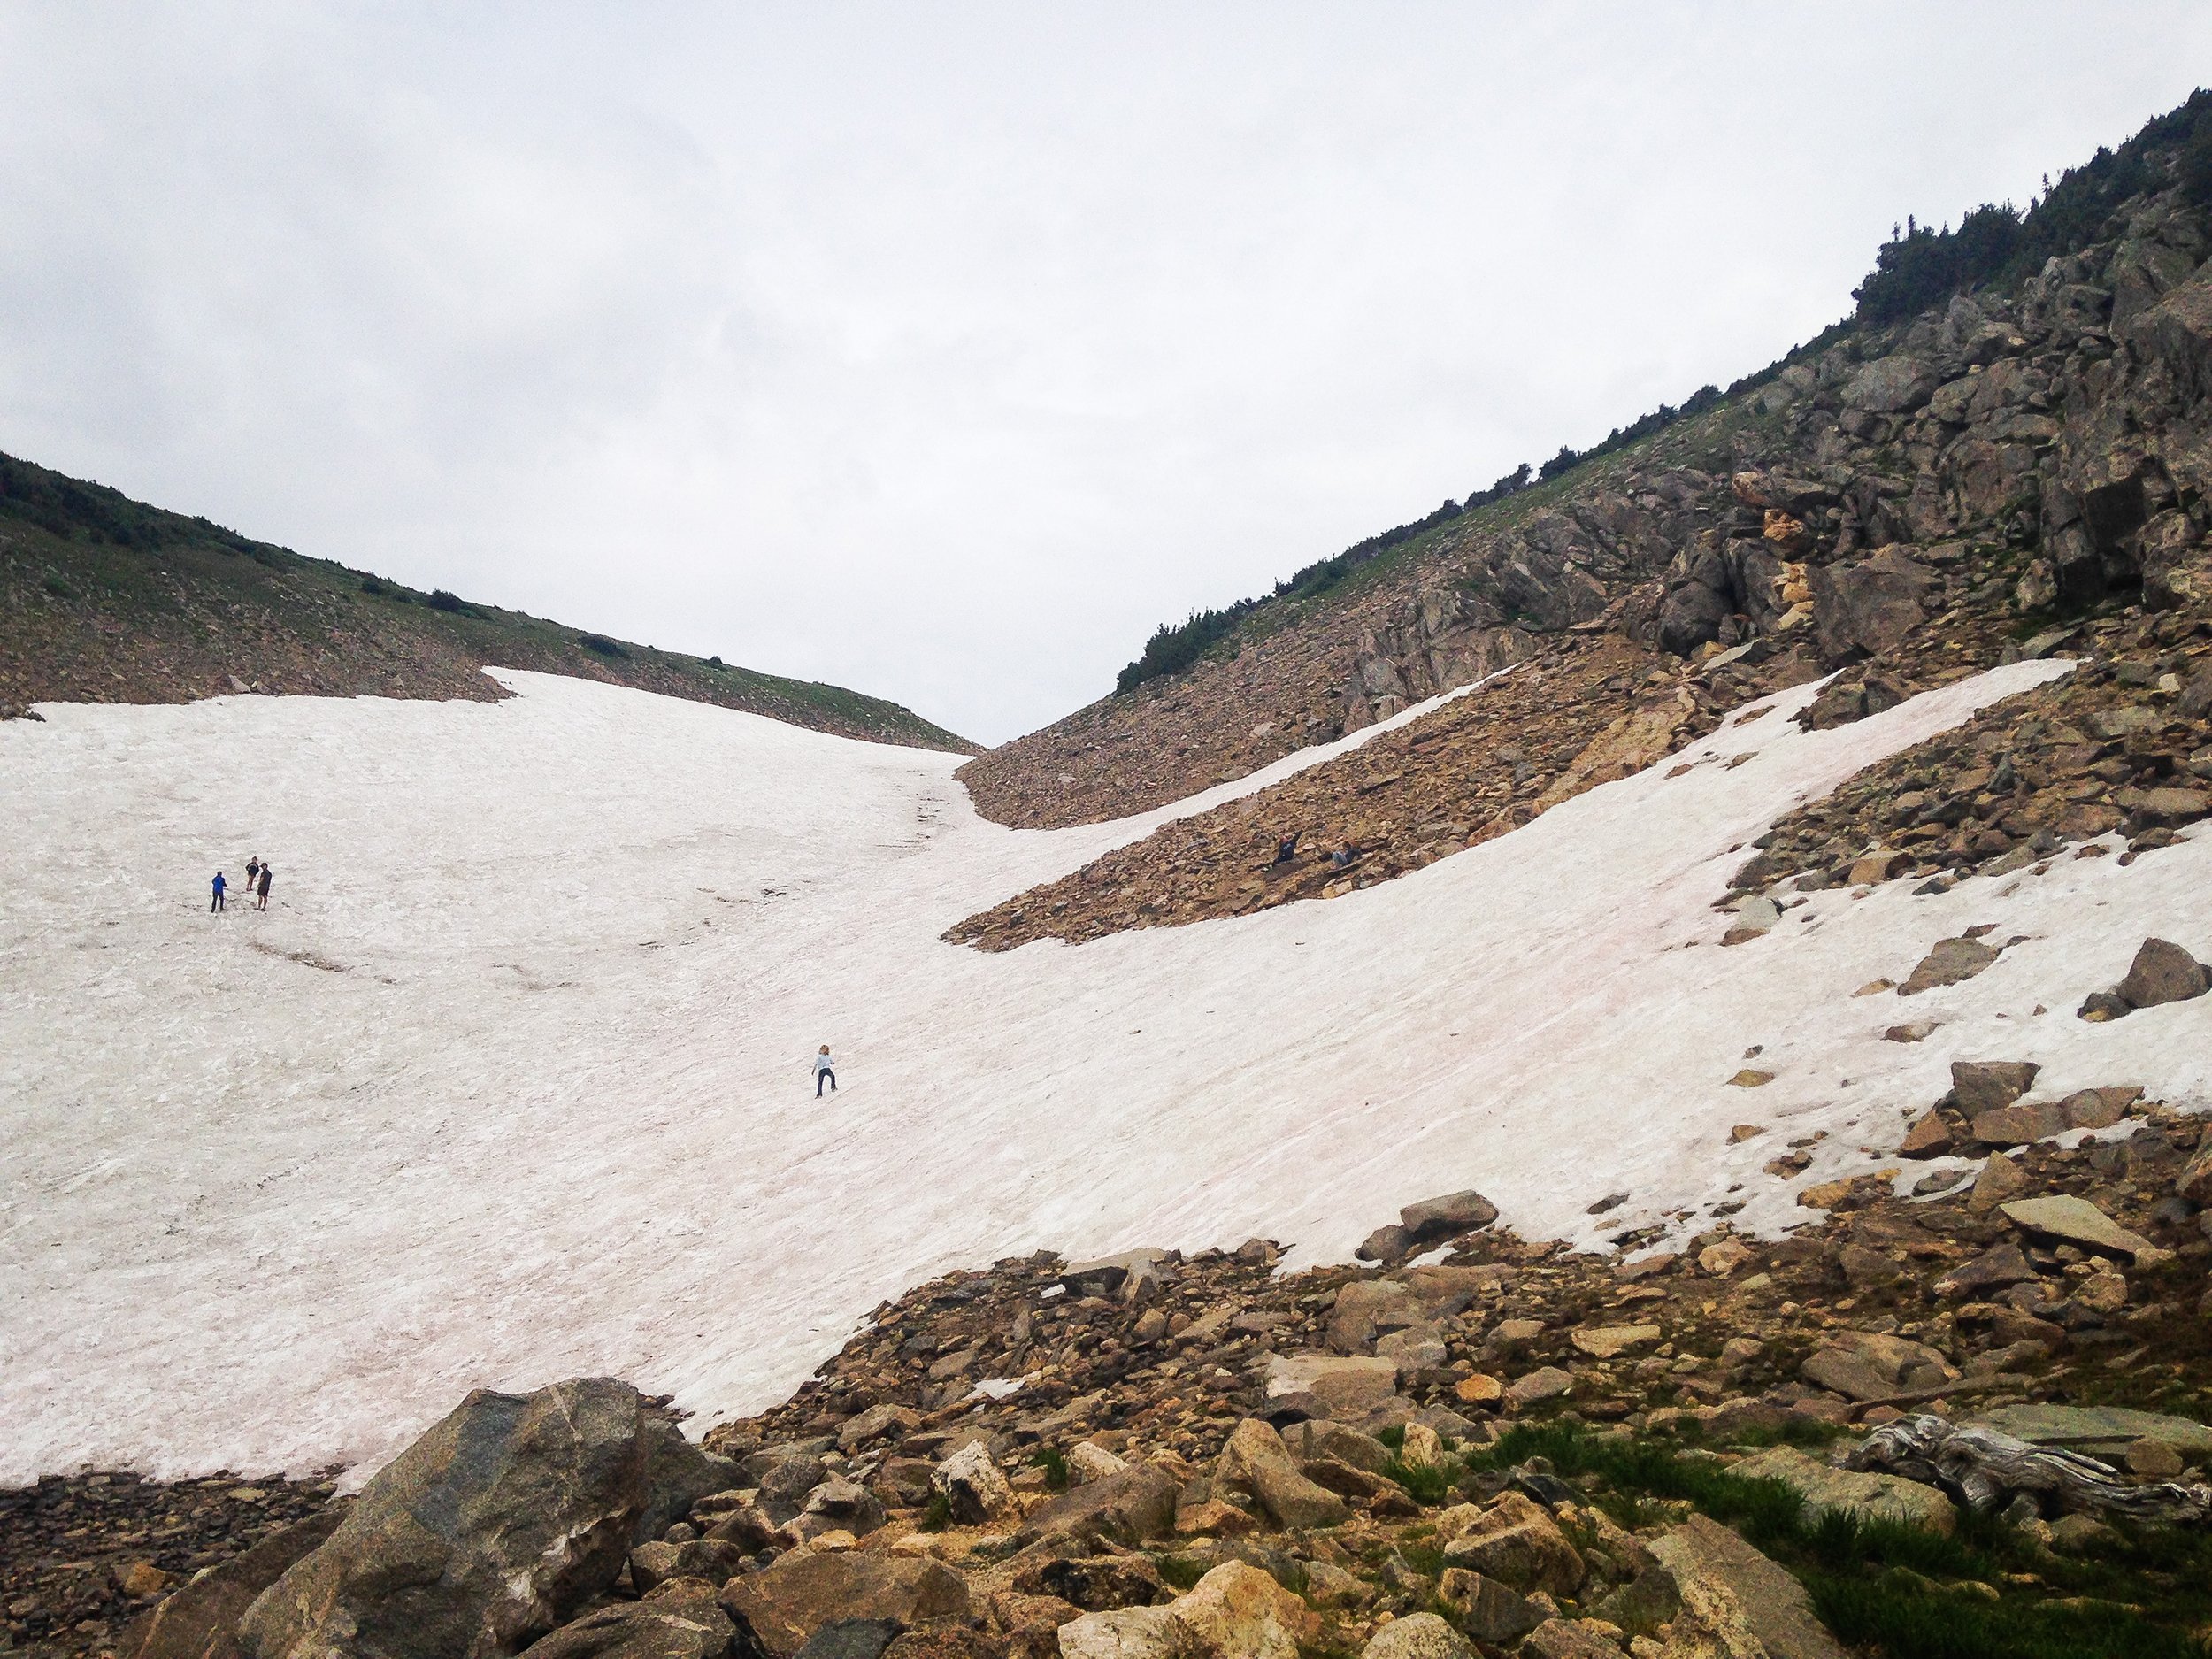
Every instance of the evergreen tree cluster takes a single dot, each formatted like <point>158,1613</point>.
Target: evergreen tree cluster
<point>1918,267</point>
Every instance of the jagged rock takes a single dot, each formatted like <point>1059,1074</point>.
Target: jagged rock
<point>1367,1308</point>
<point>1735,1603</point>
<point>1387,1245</point>
<point>1305,1441</point>
<point>851,1638</point>
<point>1088,1462</point>
<point>1236,1611</point>
<point>780,1606</point>
<point>1996,1268</point>
<point>2161,973</point>
<point>1095,1583</point>
<point>843,1505</point>
<point>200,1620</point>
<point>971,1486</point>
<point>1567,1639</point>
<point>1255,1463</point>
<point>1545,1382</point>
<point>1487,1610</point>
<point>655,1564</point>
<point>874,1424</point>
<point>1128,1508</point>
<point>1869,607</point>
<point>2017,1124</point>
<point>1867,1497</point>
<point>1608,1341</point>
<point>1951,961</point>
<point>1891,385</point>
<point>1132,1275</point>
<point>2078,1221</point>
<point>1351,1385</point>
<point>1445,1218</point>
<point>491,1529</point>
<point>679,1620</point>
<point>1417,1636</point>
<point>2000,1179</point>
<point>1866,1365</point>
<point>1517,1543</point>
<point>1981,1086</point>
<point>1930,1136</point>
<point>677,1474</point>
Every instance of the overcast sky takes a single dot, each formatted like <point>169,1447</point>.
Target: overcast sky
<point>944,350</point>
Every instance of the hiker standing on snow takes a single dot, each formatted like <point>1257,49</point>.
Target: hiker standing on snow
<point>262,889</point>
<point>253,869</point>
<point>217,903</point>
<point>825,1072</point>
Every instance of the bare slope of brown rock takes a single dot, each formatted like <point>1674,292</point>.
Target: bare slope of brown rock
<point>105,600</point>
<point>1900,496</point>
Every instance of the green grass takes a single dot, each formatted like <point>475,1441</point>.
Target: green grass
<point>1893,1588</point>
<point>1056,1467</point>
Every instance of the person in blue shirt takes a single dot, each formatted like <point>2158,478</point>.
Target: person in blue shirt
<point>217,903</point>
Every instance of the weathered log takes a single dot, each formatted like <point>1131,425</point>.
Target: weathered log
<point>1984,1468</point>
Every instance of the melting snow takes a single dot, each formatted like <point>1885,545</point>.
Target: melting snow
<point>512,1081</point>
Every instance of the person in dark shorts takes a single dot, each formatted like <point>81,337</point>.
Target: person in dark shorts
<point>261,889</point>
<point>217,903</point>
<point>825,1072</point>
<point>253,870</point>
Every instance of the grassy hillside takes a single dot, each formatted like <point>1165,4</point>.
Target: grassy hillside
<point>103,599</point>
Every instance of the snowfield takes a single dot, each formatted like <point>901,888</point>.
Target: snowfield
<point>512,1082</point>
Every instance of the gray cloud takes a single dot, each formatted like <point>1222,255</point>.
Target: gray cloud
<point>944,351</point>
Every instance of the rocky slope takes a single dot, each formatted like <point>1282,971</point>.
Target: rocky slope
<point>1478,1444</point>
<point>105,600</point>
<point>1908,503</point>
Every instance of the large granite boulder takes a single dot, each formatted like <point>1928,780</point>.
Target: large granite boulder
<point>779,1607</point>
<point>1869,607</point>
<point>491,1529</point>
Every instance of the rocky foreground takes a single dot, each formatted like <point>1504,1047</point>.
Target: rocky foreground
<point>1470,1444</point>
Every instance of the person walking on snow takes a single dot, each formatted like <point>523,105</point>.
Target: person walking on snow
<point>217,903</point>
<point>262,889</point>
<point>825,1072</point>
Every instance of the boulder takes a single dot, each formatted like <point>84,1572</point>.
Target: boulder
<point>851,1638</point>
<point>2101,1431</point>
<point>1088,1461</point>
<point>841,1505</point>
<point>1868,608</point>
<point>1735,1601</point>
<point>2017,1125</point>
<point>1351,1385</point>
<point>1608,1341</point>
<point>2178,333</point>
<point>866,1427</point>
<point>1930,1136</point>
<point>1568,1638</point>
<point>657,1562</point>
<point>1134,1275</point>
<point>1891,385</point>
<point>1981,1086</point>
<point>1545,1382</point>
<point>1517,1543</point>
<point>1487,1610</point>
<point>1128,1508</point>
<point>971,1486</point>
<point>1367,1308</point>
<point>2074,1220</point>
<point>1255,1463</point>
<point>1866,1365</point>
<point>489,1530</point>
<point>679,1620</point>
<point>1305,1441</point>
<point>1949,962</point>
<point>2161,973</point>
<point>677,1474</point>
<point>1455,1213</point>
<point>1867,1497</point>
<point>200,1620</point>
<point>1997,1268</point>
<point>785,1478</point>
<point>1236,1611</point>
<point>1387,1245</point>
<point>780,1606</point>
<point>1417,1636</point>
<point>1095,1583</point>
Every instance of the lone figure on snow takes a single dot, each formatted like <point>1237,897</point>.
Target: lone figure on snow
<point>262,889</point>
<point>217,903</point>
<point>825,1072</point>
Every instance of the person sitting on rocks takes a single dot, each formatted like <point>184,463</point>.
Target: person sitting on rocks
<point>1344,856</point>
<point>1288,848</point>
